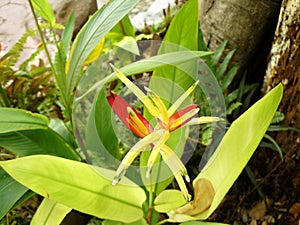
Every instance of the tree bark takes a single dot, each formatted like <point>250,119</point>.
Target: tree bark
<point>284,67</point>
<point>243,23</point>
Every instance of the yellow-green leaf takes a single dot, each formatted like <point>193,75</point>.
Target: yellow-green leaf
<point>50,213</point>
<point>80,186</point>
<point>237,146</point>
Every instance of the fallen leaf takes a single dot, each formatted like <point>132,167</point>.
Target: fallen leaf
<point>295,209</point>
<point>259,210</point>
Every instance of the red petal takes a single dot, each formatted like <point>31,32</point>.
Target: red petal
<point>120,106</point>
<point>180,113</point>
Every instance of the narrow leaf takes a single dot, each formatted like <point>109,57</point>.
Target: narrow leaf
<point>224,65</point>
<point>10,192</point>
<point>43,8</point>
<point>79,186</point>
<point>50,213</point>
<point>237,146</point>
<point>91,34</point>
<point>18,119</point>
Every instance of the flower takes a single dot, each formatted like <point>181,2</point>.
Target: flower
<point>168,120</point>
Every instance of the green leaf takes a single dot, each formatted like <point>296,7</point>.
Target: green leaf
<point>277,147</point>
<point>60,128</point>
<point>149,64</point>
<point>170,81</point>
<point>278,117</point>
<point>224,65</point>
<point>227,80</point>
<point>282,128</point>
<point>60,58</point>
<point>50,213</point>
<point>111,222</point>
<point>43,8</point>
<point>181,35</point>
<point>124,27</point>
<point>10,192</point>
<point>103,119</point>
<point>90,35</point>
<point>32,142</point>
<point>169,200</point>
<point>237,146</point>
<point>217,55</point>
<point>18,119</point>
<point>79,186</point>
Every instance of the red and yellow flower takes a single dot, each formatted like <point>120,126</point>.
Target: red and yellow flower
<point>168,120</point>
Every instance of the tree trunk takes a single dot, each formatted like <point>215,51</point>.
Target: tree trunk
<point>247,25</point>
<point>284,67</point>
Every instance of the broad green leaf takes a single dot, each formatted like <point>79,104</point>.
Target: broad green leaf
<point>169,200</point>
<point>33,142</point>
<point>103,120</point>
<point>18,119</point>
<point>80,186</point>
<point>237,146</point>
<point>50,213</point>
<point>149,64</point>
<point>43,8</point>
<point>90,35</point>
<point>181,35</point>
<point>10,192</point>
<point>101,144</point>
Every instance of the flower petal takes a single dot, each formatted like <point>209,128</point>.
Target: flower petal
<point>159,104</point>
<point>141,96</point>
<point>164,136</point>
<point>180,100</point>
<point>203,119</point>
<point>132,154</point>
<point>182,117</point>
<point>174,162</point>
<point>129,117</point>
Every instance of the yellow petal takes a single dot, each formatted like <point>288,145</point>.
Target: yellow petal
<point>203,119</point>
<point>133,153</point>
<point>164,136</point>
<point>180,100</point>
<point>182,187</point>
<point>174,162</point>
<point>137,123</point>
<point>184,117</point>
<point>145,100</point>
<point>159,104</point>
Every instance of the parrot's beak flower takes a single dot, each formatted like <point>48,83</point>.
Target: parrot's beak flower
<point>168,120</point>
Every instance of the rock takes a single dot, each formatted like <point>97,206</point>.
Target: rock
<point>15,18</point>
<point>82,10</point>
<point>153,15</point>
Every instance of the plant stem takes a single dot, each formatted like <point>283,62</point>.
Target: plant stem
<point>47,51</point>
<point>41,36</point>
